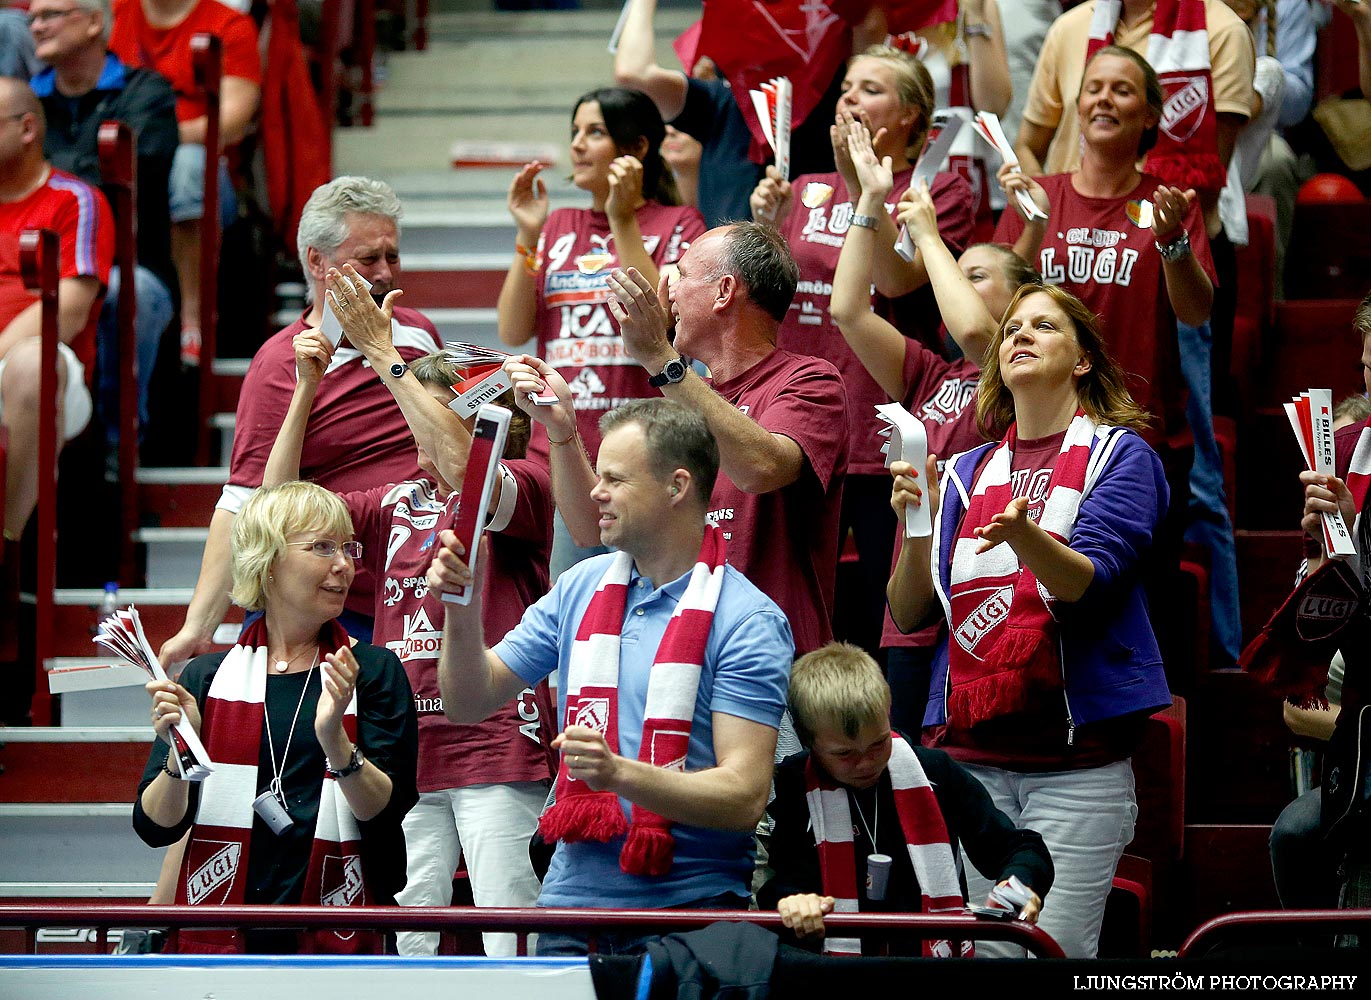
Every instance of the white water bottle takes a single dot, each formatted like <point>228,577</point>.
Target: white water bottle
<point>109,604</point>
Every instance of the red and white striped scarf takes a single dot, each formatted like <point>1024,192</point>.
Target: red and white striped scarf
<point>592,699</point>
<point>1187,151</point>
<point>215,866</point>
<point>1359,474</point>
<point>925,835</point>
<point>1002,652</point>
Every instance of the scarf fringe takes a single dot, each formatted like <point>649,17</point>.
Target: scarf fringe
<point>1201,171</point>
<point>1028,660</point>
<point>1298,679</point>
<point>649,850</point>
<point>588,816</point>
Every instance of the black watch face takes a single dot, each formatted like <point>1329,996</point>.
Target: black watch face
<point>674,371</point>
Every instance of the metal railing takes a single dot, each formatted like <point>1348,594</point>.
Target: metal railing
<point>119,172</point>
<point>521,922</point>
<point>38,265</point>
<point>206,53</point>
<point>1263,925</point>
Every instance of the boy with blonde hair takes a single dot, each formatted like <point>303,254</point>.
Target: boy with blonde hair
<point>862,798</point>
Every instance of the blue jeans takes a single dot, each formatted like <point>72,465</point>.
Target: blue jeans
<point>186,186</point>
<point>149,322</point>
<point>555,944</point>
<point>1304,870</point>
<point>1208,522</point>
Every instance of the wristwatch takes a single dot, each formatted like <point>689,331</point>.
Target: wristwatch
<point>865,221</point>
<point>674,371</point>
<point>398,369</point>
<point>354,764</point>
<point>980,30</point>
<point>1176,249</point>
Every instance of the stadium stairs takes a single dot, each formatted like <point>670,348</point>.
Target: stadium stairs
<point>1213,772</point>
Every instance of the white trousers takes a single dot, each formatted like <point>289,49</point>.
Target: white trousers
<point>1086,819</point>
<point>491,825</point>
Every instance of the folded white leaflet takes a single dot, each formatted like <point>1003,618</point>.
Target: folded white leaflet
<point>992,132</point>
<point>122,634</point>
<point>948,124</point>
<point>908,443</point>
<point>469,355</point>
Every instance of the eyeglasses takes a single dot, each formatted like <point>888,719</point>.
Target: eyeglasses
<point>46,16</point>
<point>327,548</point>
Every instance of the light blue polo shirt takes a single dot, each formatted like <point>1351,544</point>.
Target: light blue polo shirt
<point>746,674</point>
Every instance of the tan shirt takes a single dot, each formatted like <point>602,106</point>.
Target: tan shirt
<point>1061,66</point>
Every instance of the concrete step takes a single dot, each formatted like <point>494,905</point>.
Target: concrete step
<point>162,611</point>
<point>180,497</point>
<point>94,763</point>
<point>173,555</point>
<point>73,849</point>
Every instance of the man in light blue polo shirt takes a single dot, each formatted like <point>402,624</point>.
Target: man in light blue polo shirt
<point>656,468</point>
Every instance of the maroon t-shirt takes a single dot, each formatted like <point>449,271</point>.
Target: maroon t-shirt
<point>816,227</point>
<point>576,333</point>
<point>786,541</point>
<point>397,526</point>
<point>357,437</point>
<point>942,394</point>
<point>1094,248</point>
<point>1033,741</point>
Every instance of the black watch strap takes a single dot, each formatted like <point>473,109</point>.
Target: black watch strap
<point>355,763</point>
<point>672,372</point>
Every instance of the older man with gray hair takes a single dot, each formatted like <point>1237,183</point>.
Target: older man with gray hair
<point>358,436</point>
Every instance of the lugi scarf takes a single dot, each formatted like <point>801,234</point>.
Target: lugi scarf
<point>592,699</point>
<point>215,866</point>
<point>1290,655</point>
<point>925,835</point>
<point>1003,653</point>
<point>1187,151</point>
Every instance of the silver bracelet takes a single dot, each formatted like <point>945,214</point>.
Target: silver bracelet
<point>1176,249</point>
<point>866,221</point>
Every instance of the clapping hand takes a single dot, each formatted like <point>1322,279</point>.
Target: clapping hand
<point>527,201</point>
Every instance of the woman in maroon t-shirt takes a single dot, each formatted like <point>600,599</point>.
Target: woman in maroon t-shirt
<point>889,92</point>
<point>973,293</point>
<point>1051,666</point>
<point>557,286</point>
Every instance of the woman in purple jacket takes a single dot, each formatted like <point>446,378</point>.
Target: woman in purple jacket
<point>1051,666</point>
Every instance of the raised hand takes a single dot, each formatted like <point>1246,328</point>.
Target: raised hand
<point>643,321</point>
<point>365,324</point>
<point>527,202</point>
<point>338,675</point>
<point>533,375</point>
<point>171,702</point>
<point>906,490</point>
<point>1004,527</point>
<point>1013,180</point>
<point>625,187</point>
<point>770,199</point>
<point>312,355</point>
<point>1169,205</point>
<point>874,175</point>
<point>917,213</point>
